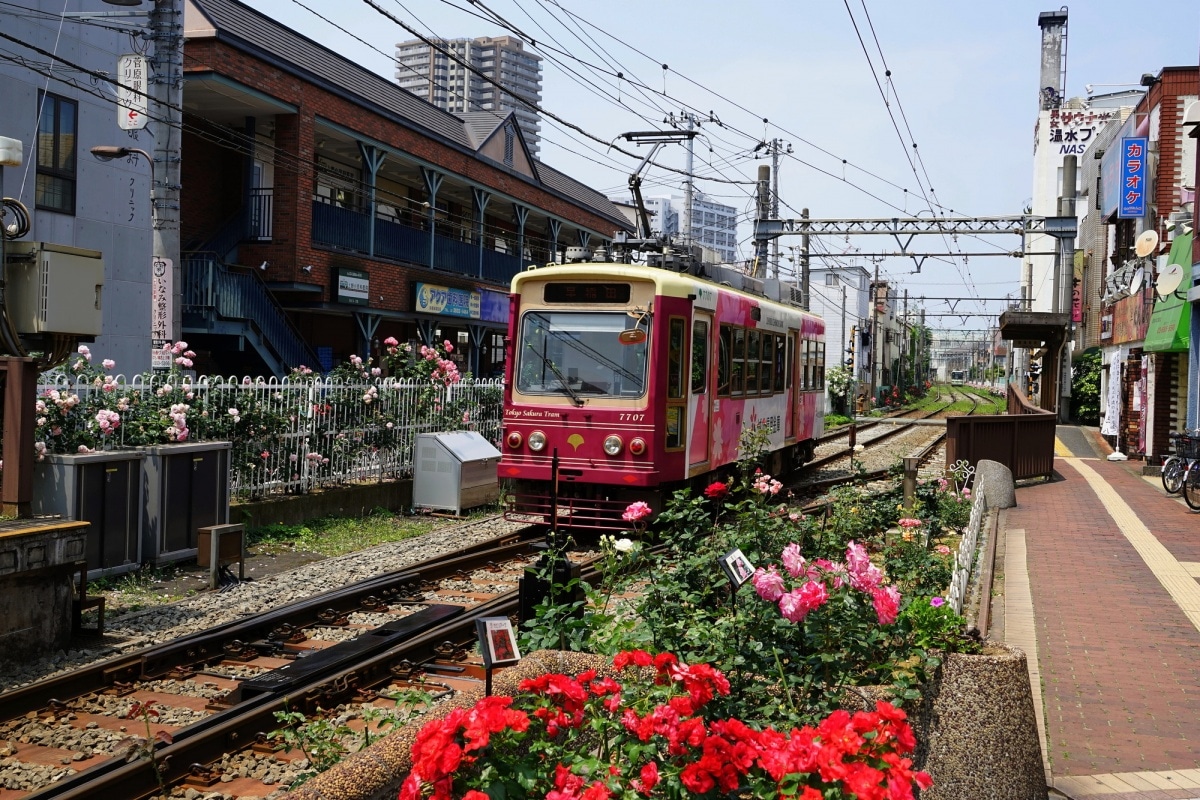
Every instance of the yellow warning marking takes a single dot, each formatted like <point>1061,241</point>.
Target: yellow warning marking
<point>1192,567</point>
<point>1060,449</point>
<point>1126,782</point>
<point>1173,575</point>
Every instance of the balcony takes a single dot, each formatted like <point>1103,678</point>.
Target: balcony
<point>344,229</point>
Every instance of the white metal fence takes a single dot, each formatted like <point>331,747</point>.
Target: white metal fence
<point>291,435</point>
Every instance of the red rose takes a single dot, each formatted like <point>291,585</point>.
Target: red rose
<point>716,491</point>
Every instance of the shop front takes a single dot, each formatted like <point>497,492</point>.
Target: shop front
<point>1168,337</point>
<point>474,321</point>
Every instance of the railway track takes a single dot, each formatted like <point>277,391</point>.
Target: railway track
<point>810,484</point>
<point>348,656</point>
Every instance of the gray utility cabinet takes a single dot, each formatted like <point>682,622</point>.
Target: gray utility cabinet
<point>187,488</point>
<point>104,489</point>
<point>455,470</point>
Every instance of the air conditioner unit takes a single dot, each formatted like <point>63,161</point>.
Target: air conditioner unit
<point>53,288</point>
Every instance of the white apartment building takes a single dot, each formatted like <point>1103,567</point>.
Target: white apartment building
<point>441,77</point>
<point>841,295</point>
<point>714,225</point>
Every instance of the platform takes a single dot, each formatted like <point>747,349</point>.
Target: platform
<point>1101,589</point>
<point>38,559</point>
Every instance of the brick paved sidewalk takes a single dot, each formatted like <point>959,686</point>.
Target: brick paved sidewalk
<point>1112,565</point>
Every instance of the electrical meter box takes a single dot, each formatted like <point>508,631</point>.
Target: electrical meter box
<point>455,470</point>
<point>53,288</point>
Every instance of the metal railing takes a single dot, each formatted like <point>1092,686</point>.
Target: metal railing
<point>347,229</point>
<point>293,435</point>
<point>212,288</point>
<point>1022,440</point>
<point>258,220</point>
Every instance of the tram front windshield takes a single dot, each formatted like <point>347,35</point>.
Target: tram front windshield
<point>582,354</point>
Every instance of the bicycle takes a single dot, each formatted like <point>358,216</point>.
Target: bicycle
<point>1175,466</point>
<point>1180,470</point>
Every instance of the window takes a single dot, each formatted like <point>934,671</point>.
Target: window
<point>753,353</point>
<point>781,362</point>
<point>737,384</point>
<point>831,279</point>
<point>766,372</point>
<point>699,357</point>
<point>724,360</point>
<point>57,126</point>
<point>675,359</point>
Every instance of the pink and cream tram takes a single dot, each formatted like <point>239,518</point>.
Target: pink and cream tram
<point>625,382</point>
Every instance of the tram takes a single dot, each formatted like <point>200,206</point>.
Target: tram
<point>624,382</point>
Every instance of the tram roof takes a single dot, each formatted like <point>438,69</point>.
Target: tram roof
<point>667,283</point>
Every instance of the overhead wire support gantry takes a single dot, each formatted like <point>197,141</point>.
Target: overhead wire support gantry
<point>904,229</point>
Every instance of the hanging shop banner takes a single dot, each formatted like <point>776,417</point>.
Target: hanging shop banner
<point>1077,287</point>
<point>1133,177</point>
<point>132,100</point>
<point>162,318</point>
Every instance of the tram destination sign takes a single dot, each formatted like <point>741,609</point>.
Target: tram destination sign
<point>586,293</point>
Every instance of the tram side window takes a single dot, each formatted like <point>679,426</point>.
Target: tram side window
<point>737,384</point>
<point>781,362</point>
<point>753,354</point>
<point>791,360</point>
<point>804,364</point>
<point>699,357</point>
<point>675,358</point>
<point>766,374</point>
<point>724,360</point>
<point>820,367</point>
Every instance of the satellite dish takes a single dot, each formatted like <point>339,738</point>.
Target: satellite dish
<point>1169,280</point>
<point>1145,243</point>
<point>1136,281</point>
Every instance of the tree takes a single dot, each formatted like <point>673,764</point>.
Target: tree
<point>1085,388</point>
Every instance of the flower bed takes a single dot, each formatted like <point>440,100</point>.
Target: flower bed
<point>358,422</point>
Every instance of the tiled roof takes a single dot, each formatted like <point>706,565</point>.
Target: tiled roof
<point>245,27</point>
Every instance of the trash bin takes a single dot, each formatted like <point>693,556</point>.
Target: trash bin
<point>455,470</point>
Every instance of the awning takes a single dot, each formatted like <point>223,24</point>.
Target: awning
<point>1170,324</point>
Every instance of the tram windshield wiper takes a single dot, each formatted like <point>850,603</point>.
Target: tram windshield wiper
<point>566,387</point>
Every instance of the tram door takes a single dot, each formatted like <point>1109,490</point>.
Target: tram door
<point>700,395</point>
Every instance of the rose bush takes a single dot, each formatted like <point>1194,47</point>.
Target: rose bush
<point>648,734</point>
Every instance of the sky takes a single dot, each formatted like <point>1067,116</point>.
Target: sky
<point>963,87</point>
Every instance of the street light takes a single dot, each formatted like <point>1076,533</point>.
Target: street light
<point>107,152</point>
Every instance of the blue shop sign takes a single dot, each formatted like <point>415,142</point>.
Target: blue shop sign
<point>1133,177</point>
<point>446,301</point>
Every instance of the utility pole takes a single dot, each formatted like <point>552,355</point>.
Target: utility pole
<point>874,325</point>
<point>166,31</point>
<point>804,276</point>
<point>903,343</point>
<point>764,207</point>
<point>775,207</point>
<point>688,190</point>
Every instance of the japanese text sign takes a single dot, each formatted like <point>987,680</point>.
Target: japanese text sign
<point>1133,177</point>
<point>132,100</point>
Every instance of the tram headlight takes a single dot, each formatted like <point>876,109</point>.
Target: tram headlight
<point>537,441</point>
<point>612,445</point>
<point>637,446</point>
<point>514,439</point>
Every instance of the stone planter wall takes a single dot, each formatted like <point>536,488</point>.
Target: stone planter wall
<point>977,733</point>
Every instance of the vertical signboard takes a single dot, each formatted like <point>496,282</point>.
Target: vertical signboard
<point>1133,178</point>
<point>132,99</point>
<point>161,322</point>
<point>1077,287</point>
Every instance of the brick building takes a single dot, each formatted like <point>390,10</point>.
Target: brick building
<point>325,209</point>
